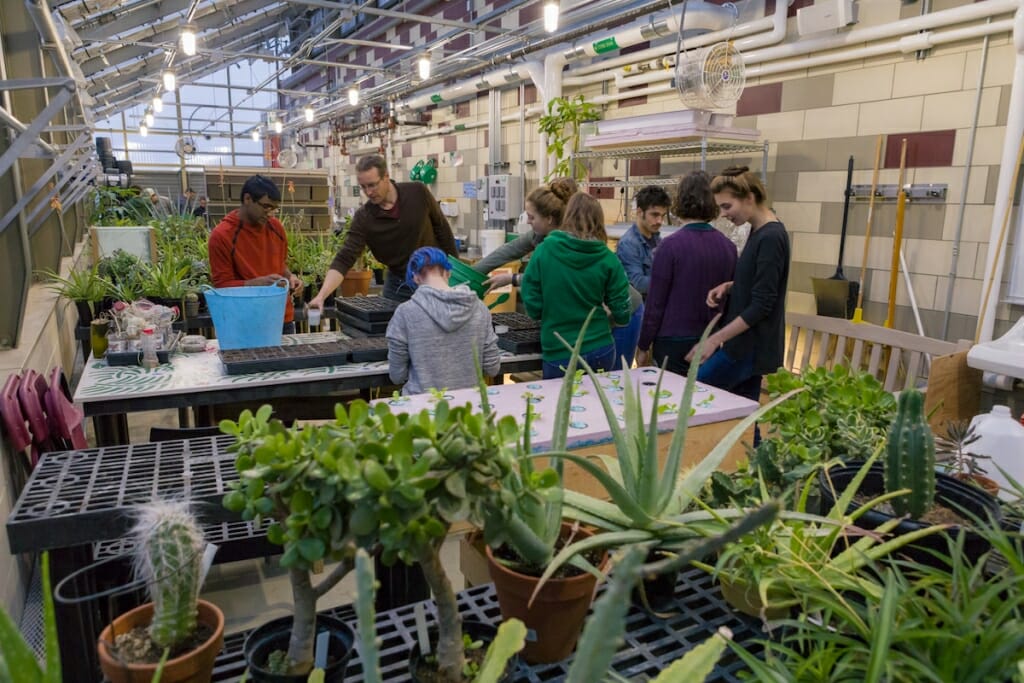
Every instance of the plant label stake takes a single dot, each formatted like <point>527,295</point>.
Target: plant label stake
<point>323,639</point>
<point>421,628</point>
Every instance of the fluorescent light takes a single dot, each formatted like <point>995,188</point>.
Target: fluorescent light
<point>149,118</point>
<point>278,126</point>
<point>169,80</point>
<point>424,67</point>
<point>158,104</point>
<point>353,96</point>
<point>551,16</point>
<point>143,130</point>
<point>188,40</point>
<point>310,114</point>
<point>256,134</point>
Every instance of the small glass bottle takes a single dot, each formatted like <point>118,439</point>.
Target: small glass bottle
<point>149,358</point>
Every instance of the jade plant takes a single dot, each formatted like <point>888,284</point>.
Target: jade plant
<point>910,457</point>
<point>168,557</point>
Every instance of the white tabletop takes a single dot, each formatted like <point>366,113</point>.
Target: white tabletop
<point>589,425</point>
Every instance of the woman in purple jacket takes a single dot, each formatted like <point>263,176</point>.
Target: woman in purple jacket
<point>686,265</point>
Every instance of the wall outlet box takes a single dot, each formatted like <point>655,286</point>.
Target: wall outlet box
<point>825,15</point>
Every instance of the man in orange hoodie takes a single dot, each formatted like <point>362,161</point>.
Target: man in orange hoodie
<point>250,248</point>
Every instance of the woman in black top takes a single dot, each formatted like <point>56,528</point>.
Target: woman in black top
<point>751,340</point>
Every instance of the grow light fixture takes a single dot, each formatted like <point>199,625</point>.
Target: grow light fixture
<point>158,104</point>
<point>278,126</point>
<point>424,67</point>
<point>310,114</point>
<point>353,95</point>
<point>150,118</point>
<point>188,40</point>
<point>143,130</point>
<point>255,134</point>
<point>551,11</point>
<point>169,80</point>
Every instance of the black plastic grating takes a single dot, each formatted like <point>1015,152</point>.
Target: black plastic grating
<point>651,642</point>
<point>520,341</point>
<point>369,308</point>
<point>78,497</point>
<point>515,321</point>
<point>290,357</point>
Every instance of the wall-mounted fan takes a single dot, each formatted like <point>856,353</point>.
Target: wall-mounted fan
<point>185,147</point>
<point>287,158</point>
<point>710,78</point>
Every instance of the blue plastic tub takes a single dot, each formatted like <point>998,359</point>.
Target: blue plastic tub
<point>247,317</point>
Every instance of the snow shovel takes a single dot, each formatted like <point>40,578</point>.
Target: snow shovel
<point>836,297</point>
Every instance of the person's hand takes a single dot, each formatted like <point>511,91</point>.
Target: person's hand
<point>643,357</point>
<point>718,294</point>
<point>711,344</point>
<point>294,283</point>
<point>316,302</point>
<point>496,281</point>
<point>264,280</point>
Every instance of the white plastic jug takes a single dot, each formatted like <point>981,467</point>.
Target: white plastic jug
<point>1002,439</point>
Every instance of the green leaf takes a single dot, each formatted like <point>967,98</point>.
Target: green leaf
<point>697,664</point>
<point>511,639</point>
<point>311,549</point>
<point>301,502</point>
<point>455,484</point>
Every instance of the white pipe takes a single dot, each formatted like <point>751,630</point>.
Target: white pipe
<point>510,75</point>
<point>1004,191</point>
<point>551,86</point>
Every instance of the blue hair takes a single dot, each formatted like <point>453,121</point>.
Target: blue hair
<point>425,257</point>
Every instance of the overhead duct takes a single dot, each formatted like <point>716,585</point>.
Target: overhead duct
<point>500,78</point>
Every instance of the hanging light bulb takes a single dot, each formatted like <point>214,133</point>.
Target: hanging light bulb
<point>353,95</point>
<point>188,40</point>
<point>143,130</point>
<point>158,104</point>
<point>169,80</point>
<point>424,67</point>
<point>310,114</point>
<point>150,118</point>
<point>278,126</point>
<point>551,11</point>
<point>256,134</point>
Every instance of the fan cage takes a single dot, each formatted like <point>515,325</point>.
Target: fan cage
<point>713,79</point>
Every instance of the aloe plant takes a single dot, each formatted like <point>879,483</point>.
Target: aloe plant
<point>80,285</point>
<point>18,663</point>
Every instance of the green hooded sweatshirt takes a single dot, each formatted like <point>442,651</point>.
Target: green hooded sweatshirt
<point>566,278</point>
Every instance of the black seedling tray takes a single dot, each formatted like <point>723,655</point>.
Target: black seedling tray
<point>368,349</point>
<point>135,357</point>
<point>292,357</point>
<point>520,341</point>
<point>377,328</point>
<point>369,308</point>
<point>515,321</point>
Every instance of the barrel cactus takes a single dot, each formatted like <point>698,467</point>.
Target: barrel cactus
<point>910,457</point>
<point>168,557</point>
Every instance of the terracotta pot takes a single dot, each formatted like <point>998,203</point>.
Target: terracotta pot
<point>987,485</point>
<point>192,667</point>
<point>555,619</point>
<point>356,282</point>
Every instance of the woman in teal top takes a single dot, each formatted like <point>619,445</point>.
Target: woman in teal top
<point>571,273</point>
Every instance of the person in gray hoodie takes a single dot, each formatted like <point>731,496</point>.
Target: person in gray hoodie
<point>434,337</point>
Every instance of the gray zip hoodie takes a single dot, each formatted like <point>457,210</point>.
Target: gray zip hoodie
<point>433,336</point>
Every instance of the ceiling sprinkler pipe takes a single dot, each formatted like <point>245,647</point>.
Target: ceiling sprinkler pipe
<point>500,78</point>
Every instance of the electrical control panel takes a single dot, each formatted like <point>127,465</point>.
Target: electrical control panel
<point>504,197</point>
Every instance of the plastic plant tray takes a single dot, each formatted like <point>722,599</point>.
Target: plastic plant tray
<point>368,349</point>
<point>369,308</point>
<point>520,341</point>
<point>291,357</point>
<point>651,642</point>
<point>362,325</point>
<point>515,321</point>
<point>135,357</point>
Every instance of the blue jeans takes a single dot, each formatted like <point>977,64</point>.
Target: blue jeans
<point>626,339</point>
<point>598,359</point>
<point>396,288</point>
<point>723,371</point>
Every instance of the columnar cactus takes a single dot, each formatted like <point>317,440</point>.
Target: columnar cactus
<point>366,588</point>
<point>910,457</point>
<point>168,557</point>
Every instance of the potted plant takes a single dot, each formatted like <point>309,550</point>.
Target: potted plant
<point>566,113</point>
<point>952,454</point>
<point>166,282</point>
<point>86,288</point>
<point>927,497</point>
<point>168,550</point>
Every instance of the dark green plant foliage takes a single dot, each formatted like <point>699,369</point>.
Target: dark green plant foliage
<point>562,113</point>
<point>114,206</point>
<point>838,415</point>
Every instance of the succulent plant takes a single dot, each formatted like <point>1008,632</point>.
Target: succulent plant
<point>168,557</point>
<point>910,457</point>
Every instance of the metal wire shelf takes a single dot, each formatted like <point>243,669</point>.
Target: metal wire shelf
<point>703,146</point>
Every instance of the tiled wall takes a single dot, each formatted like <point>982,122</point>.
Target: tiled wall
<point>815,119</point>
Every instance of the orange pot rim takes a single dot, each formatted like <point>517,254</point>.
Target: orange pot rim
<point>201,606</point>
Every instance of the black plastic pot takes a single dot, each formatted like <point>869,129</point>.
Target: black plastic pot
<point>477,630</point>
<point>659,589</point>
<point>274,635</point>
<point>378,276</point>
<point>956,495</point>
<point>85,314</point>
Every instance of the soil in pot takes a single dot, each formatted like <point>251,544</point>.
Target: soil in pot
<point>555,617</point>
<point>656,591</point>
<point>950,494</point>
<point>192,665</point>
<point>274,635</point>
<point>480,635</point>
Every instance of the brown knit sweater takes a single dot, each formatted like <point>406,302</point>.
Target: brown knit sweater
<point>420,223</point>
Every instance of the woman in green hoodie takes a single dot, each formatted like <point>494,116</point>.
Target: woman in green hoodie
<point>571,273</point>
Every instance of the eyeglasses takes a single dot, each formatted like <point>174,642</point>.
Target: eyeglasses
<point>269,208</point>
<point>371,186</point>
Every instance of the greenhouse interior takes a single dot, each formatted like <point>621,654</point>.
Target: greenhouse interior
<point>290,391</point>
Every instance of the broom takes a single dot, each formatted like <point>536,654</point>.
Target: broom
<point>858,313</point>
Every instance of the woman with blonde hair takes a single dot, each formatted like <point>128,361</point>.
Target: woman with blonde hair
<point>572,272</point>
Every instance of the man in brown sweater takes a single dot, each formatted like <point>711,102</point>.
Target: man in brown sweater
<point>396,220</point>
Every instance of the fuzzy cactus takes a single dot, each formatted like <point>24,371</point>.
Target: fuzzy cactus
<point>910,457</point>
<point>168,557</point>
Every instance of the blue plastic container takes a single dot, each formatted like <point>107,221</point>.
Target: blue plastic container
<point>247,317</point>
